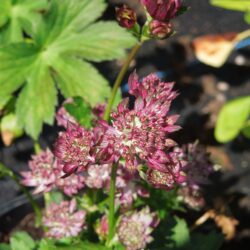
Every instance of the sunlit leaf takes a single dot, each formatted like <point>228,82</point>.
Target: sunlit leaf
<point>19,16</point>
<point>240,5</point>
<point>10,129</point>
<point>177,233</point>
<point>22,241</point>
<point>81,111</point>
<point>54,54</point>
<point>232,119</point>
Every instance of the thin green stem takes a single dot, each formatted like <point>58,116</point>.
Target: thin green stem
<point>37,147</point>
<point>111,218</point>
<point>6,171</point>
<point>119,79</point>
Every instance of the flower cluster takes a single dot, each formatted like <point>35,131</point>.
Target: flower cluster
<point>161,13</point>
<point>46,173</point>
<point>198,169</point>
<point>134,229</point>
<point>73,148</point>
<point>139,136</point>
<point>62,220</point>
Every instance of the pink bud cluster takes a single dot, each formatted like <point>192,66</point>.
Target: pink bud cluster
<point>161,12</point>
<point>134,229</point>
<point>63,220</point>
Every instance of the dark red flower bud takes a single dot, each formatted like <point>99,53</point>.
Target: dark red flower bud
<point>126,16</point>
<point>160,30</point>
<point>162,10</point>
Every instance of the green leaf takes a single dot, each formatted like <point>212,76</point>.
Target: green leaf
<point>37,101</point>
<point>239,5</point>
<point>10,128</point>
<point>4,247</point>
<point>79,78</point>
<point>210,241</point>
<point>54,197</point>
<point>5,171</point>
<point>232,119</point>
<point>81,111</point>
<point>22,241</point>
<point>246,130</point>
<point>100,41</point>
<point>3,101</point>
<point>177,233</point>
<point>63,38</point>
<point>49,245</point>
<point>19,16</point>
<point>247,17</point>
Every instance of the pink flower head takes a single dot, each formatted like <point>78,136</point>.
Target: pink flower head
<point>62,220</point>
<point>98,111</point>
<point>70,185</point>
<point>63,117</point>
<point>134,230</point>
<point>173,173</point>
<point>142,133</point>
<point>199,166</point>
<point>127,188</point>
<point>102,228</point>
<point>41,173</point>
<point>192,197</point>
<point>162,10</point>
<point>72,148</point>
<point>98,176</point>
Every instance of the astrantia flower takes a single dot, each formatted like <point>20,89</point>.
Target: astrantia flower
<point>102,227</point>
<point>72,148</point>
<point>46,173</point>
<point>134,230</point>
<point>141,134</point>
<point>127,188</point>
<point>162,10</point>
<point>41,174</point>
<point>199,166</point>
<point>70,185</point>
<point>62,220</point>
<point>98,176</point>
<point>172,175</point>
<point>63,118</point>
<point>192,197</point>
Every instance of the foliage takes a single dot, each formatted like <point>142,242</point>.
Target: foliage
<point>53,57</point>
<point>80,110</point>
<point>22,241</point>
<point>114,179</point>
<point>238,5</point>
<point>233,119</point>
<point>18,16</point>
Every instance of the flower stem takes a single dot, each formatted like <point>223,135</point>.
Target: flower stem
<point>119,79</point>
<point>111,218</point>
<point>37,147</point>
<point>6,171</point>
